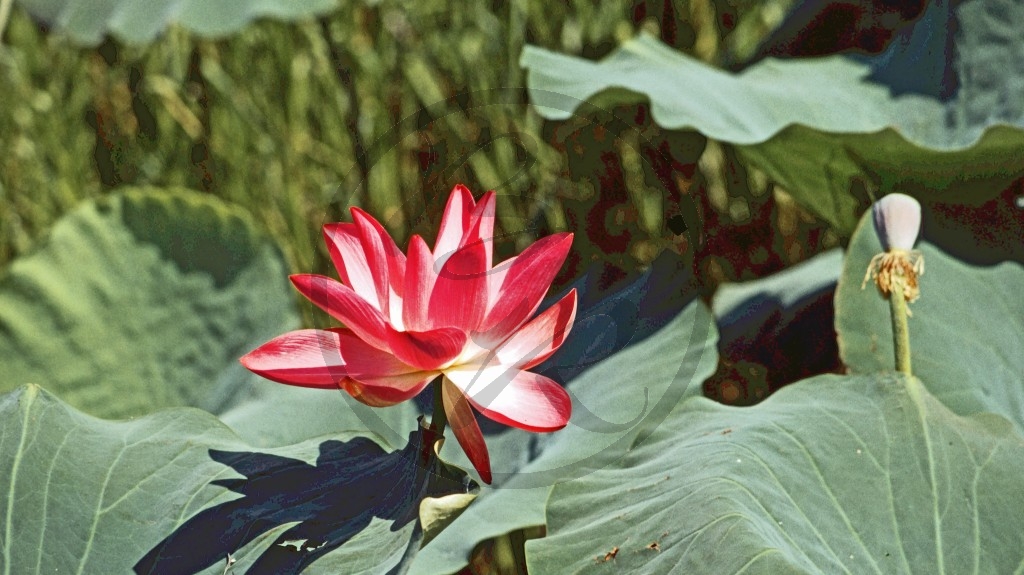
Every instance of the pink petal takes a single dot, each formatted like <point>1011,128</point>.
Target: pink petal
<point>346,251</point>
<point>428,350</point>
<point>467,431</point>
<point>525,284</point>
<point>541,337</point>
<point>346,306</point>
<point>395,258</point>
<point>378,378</point>
<point>388,390</point>
<point>376,256</point>
<point>337,358</point>
<point>459,297</point>
<point>454,222</point>
<point>307,358</point>
<point>513,397</point>
<point>481,226</point>
<point>495,279</point>
<point>419,282</point>
<point>367,363</point>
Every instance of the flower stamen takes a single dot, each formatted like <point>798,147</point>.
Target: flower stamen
<point>896,268</point>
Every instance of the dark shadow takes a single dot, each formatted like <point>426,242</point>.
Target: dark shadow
<point>619,313</point>
<point>984,235</point>
<point>824,27</point>
<point>195,234</point>
<point>351,483</point>
<point>775,331</point>
<point>910,46</point>
<point>921,57</point>
<point>766,345</point>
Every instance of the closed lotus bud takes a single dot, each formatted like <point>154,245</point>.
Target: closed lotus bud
<point>897,221</point>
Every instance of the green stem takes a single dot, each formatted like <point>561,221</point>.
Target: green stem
<point>5,14</point>
<point>517,542</point>
<point>438,418</point>
<point>900,329</point>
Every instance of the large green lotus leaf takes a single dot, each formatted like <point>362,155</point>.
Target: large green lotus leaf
<point>144,300</point>
<point>178,492</point>
<point>147,299</point>
<point>87,21</point>
<point>966,332</point>
<point>937,115</point>
<point>614,402</point>
<point>836,474</point>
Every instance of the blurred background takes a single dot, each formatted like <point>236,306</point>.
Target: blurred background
<point>387,105</point>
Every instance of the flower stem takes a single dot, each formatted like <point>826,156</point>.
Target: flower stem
<point>438,418</point>
<point>900,329</point>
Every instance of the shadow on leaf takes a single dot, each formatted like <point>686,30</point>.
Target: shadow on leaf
<point>351,483</point>
<point>775,330</point>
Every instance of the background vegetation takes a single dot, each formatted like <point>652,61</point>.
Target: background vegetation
<point>387,105</point>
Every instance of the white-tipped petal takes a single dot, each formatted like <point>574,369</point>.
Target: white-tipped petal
<point>897,221</point>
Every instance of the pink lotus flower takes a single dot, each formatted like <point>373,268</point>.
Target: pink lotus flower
<point>410,318</point>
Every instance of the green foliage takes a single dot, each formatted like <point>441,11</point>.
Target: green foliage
<point>294,122</point>
<point>151,292</point>
<point>160,494</point>
<point>87,22</point>
<point>966,331</point>
<point>858,474</point>
<point>839,130</point>
<point>156,294</point>
<point>379,104</point>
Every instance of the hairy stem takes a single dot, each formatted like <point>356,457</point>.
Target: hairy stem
<point>900,329</point>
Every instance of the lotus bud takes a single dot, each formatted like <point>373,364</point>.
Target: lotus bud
<point>897,221</point>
